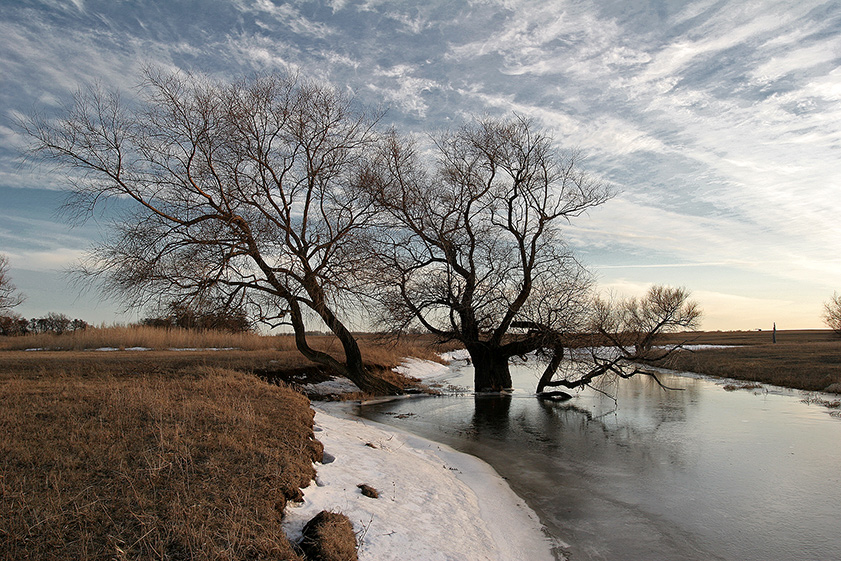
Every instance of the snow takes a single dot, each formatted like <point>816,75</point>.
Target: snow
<point>426,370</point>
<point>339,385</point>
<point>183,349</point>
<point>109,349</point>
<point>434,503</point>
<point>459,354</point>
<point>704,347</point>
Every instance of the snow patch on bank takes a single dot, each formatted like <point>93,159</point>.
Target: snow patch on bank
<point>426,370</point>
<point>459,354</point>
<point>434,504</point>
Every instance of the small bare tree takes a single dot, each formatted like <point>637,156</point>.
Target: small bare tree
<point>471,249</point>
<point>623,337</point>
<point>9,295</point>
<point>832,313</point>
<point>242,193</point>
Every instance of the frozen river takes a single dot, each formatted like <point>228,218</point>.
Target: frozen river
<point>696,473</point>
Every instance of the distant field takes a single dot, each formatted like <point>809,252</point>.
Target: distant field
<point>755,337</point>
<point>805,359</point>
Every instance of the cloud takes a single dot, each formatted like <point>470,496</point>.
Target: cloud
<point>401,87</point>
<point>57,259</point>
<point>717,120</point>
<point>289,16</point>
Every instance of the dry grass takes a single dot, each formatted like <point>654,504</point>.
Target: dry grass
<point>378,351</point>
<point>156,454</point>
<point>329,536</point>
<point>754,337</point>
<point>807,360</point>
<point>124,337</point>
<point>149,465</point>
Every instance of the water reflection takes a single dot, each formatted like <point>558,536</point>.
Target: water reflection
<point>698,473</point>
<point>491,413</point>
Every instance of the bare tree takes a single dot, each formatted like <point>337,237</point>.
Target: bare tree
<point>623,337</point>
<point>9,295</point>
<point>471,250</point>
<point>832,313</point>
<point>244,193</point>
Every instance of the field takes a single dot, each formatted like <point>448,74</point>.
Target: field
<point>808,359</point>
<point>157,453</point>
<point>187,454</point>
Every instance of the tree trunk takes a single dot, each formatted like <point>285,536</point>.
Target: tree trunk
<point>551,368</point>
<point>490,368</point>
<point>353,368</point>
<point>356,370</point>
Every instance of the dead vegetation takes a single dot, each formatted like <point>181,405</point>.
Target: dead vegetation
<point>806,360</point>
<point>135,336</point>
<point>148,465</point>
<point>329,536</point>
<point>368,491</point>
<point>741,386</point>
<point>155,454</point>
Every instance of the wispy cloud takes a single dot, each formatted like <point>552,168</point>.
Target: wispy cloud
<point>718,121</point>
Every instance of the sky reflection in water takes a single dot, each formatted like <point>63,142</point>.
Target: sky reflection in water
<point>696,473</point>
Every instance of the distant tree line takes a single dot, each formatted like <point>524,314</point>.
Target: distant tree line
<point>12,324</point>
<point>217,315</point>
<point>192,316</point>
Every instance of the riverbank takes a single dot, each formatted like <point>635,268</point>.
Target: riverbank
<point>100,462</point>
<point>154,453</point>
<point>804,360</point>
<point>433,503</point>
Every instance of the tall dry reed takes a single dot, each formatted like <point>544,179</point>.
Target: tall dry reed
<point>124,337</point>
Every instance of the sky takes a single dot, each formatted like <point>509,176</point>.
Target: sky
<point>717,122</point>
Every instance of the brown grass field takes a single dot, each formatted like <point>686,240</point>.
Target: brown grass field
<point>154,454</point>
<point>806,359</point>
<point>146,464</point>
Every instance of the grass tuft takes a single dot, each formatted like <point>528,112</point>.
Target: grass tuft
<point>329,536</point>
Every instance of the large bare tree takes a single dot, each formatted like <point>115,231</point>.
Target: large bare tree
<point>471,246</point>
<point>245,193</point>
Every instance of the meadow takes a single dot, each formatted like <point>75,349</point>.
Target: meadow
<point>803,359</point>
<point>170,454</point>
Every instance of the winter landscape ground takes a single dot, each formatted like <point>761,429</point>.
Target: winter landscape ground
<point>123,453</point>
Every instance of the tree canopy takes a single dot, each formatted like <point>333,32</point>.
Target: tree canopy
<point>832,313</point>
<point>245,193</point>
<point>472,246</point>
<point>9,295</point>
<point>279,199</point>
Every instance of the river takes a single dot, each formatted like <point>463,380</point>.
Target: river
<point>694,473</point>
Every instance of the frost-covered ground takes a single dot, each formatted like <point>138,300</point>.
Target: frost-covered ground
<point>434,503</point>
